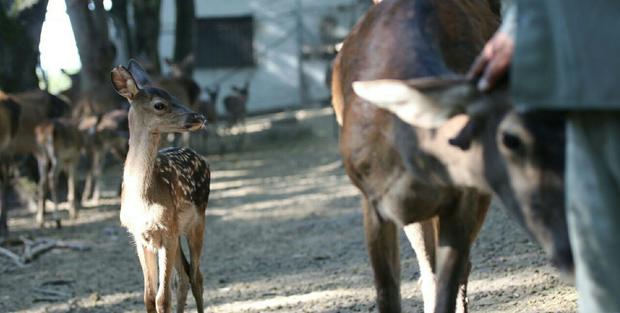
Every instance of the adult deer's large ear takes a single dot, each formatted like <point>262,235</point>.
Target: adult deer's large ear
<point>124,83</point>
<point>139,74</point>
<point>424,102</point>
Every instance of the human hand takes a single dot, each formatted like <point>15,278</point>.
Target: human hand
<point>493,62</point>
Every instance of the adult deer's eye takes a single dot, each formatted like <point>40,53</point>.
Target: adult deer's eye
<point>511,141</point>
<point>159,106</point>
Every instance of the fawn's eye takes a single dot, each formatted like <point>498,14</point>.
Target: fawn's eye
<point>159,106</point>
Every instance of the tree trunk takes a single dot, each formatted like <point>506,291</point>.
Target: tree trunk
<point>90,29</point>
<point>185,31</point>
<point>121,21</point>
<point>20,33</point>
<point>146,17</point>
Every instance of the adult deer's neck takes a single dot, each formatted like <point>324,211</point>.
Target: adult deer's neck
<point>141,157</point>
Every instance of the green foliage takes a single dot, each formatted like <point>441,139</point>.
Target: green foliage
<point>19,5</point>
<point>58,82</point>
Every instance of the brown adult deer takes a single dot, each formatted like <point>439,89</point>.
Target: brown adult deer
<point>235,105</point>
<point>208,108</point>
<point>9,115</point>
<point>180,82</point>
<point>410,174</point>
<point>96,101</point>
<point>33,106</point>
<point>107,134</point>
<point>164,194</point>
<point>181,85</point>
<point>60,144</point>
<point>103,120</point>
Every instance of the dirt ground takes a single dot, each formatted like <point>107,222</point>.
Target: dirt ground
<point>284,234</point>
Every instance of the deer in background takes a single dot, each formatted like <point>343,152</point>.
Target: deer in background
<point>165,193</point>
<point>107,134</point>
<point>9,116</point>
<point>209,109</point>
<point>429,153</point>
<point>26,110</point>
<point>181,85</point>
<point>60,144</point>
<point>235,106</point>
<point>103,121</point>
<point>180,81</point>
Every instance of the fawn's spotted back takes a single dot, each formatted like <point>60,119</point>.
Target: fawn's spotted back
<point>186,173</point>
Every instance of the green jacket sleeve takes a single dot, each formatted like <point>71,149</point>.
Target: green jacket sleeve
<point>567,54</point>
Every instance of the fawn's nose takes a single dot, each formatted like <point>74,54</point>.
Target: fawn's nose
<point>196,121</point>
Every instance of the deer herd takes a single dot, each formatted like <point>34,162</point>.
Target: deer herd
<point>427,151</point>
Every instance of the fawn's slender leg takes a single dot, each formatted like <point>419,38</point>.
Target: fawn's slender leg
<point>383,249</point>
<point>182,268</point>
<point>241,133</point>
<point>42,189</point>
<point>98,164</point>
<point>71,191</point>
<point>195,237</point>
<point>423,239</point>
<point>54,174</point>
<point>148,262</point>
<point>88,183</point>
<point>167,258</point>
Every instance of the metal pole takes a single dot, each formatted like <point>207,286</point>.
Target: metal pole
<point>303,96</point>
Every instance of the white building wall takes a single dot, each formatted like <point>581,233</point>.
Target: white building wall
<point>274,80</point>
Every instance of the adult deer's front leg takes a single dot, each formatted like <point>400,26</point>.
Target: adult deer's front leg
<point>167,258</point>
<point>423,239</point>
<point>382,244</point>
<point>148,262</point>
<point>484,201</point>
<point>456,227</point>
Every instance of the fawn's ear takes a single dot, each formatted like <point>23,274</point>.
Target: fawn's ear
<point>139,74</point>
<point>425,102</point>
<point>124,83</point>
